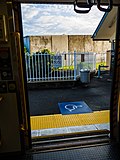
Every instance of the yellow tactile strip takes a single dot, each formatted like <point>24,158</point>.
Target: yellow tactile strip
<point>58,120</point>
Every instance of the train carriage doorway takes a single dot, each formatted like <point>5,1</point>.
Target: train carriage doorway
<point>18,25</point>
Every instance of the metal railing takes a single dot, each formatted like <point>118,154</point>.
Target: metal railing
<point>58,67</point>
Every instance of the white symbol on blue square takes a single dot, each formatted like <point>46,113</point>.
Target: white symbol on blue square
<point>74,107</point>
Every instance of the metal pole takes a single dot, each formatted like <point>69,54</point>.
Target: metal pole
<point>74,65</point>
<point>39,65</point>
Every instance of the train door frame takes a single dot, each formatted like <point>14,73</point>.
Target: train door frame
<point>115,92</point>
<point>16,34</point>
<point>115,95</point>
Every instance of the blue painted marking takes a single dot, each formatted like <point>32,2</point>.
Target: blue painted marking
<point>74,107</point>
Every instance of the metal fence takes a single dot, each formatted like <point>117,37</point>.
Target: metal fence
<point>58,67</point>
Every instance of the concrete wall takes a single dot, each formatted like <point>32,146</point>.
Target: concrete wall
<point>65,43</point>
<point>101,46</point>
<point>85,43</point>
<point>37,43</point>
<point>76,43</point>
<point>60,43</point>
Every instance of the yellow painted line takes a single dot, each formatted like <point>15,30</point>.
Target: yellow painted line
<point>59,121</point>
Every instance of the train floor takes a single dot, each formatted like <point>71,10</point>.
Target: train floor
<point>102,152</point>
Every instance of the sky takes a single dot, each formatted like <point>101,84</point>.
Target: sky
<point>46,19</point>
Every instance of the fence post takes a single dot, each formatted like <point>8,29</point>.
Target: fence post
<point>74,65</point>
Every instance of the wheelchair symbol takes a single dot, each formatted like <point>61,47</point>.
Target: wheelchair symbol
<point>72,107</point>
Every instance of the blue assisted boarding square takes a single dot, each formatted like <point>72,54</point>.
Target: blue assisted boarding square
<point>79,107</point>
